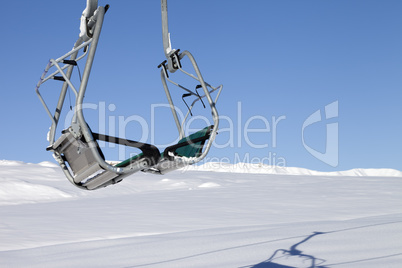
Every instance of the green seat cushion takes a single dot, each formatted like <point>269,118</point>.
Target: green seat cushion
<point>190,150</point>
<point>193,149</point>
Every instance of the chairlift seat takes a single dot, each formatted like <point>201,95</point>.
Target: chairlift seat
<point>77,150</point>
<point>190,146</point>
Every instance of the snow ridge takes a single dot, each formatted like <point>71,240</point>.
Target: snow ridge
<point>267,169</point>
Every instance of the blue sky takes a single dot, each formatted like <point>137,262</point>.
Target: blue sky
<point>279,61</point>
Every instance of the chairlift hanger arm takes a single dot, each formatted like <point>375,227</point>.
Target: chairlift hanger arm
<point>173,62</point>
<point>84,129</point>
<point>167,46</point>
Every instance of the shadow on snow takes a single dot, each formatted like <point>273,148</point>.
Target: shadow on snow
<point>292,256</point>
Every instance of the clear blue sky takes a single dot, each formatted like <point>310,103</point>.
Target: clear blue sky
<point>276,59</point>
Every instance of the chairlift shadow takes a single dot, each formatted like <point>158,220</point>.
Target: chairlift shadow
<point>288,258</point>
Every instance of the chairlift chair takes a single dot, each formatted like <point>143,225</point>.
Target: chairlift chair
<point>77,150</point>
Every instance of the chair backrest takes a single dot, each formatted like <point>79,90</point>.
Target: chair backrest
<point>193,149</point>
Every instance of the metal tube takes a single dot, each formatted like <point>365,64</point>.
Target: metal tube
<point>60,103</point>
<point>171,105</point>
<point>203,84</point>
<point>219,93</point>
<point>66,78</point>
<point>180,86</point>
<point>73,53</point>
<point>77,46</point>
<point>65,66</point>
<point>79,109</point>
<point>167,47</point>
<point>40,96</point>
<point>81,94</point>
<point>215,115</point>
<point>64,88</point>
<point>55,118</point>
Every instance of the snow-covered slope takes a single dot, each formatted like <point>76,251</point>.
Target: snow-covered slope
<point>244,216</point>
<point>266,169</point>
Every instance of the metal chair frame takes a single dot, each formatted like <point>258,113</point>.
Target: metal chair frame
<point>77,150</point>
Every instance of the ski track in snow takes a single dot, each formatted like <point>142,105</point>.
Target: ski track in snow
<point>248,216</point>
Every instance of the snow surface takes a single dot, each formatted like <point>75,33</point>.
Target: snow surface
<point>215,215</point>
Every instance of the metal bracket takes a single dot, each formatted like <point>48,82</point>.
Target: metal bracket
<point>75,130</point>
